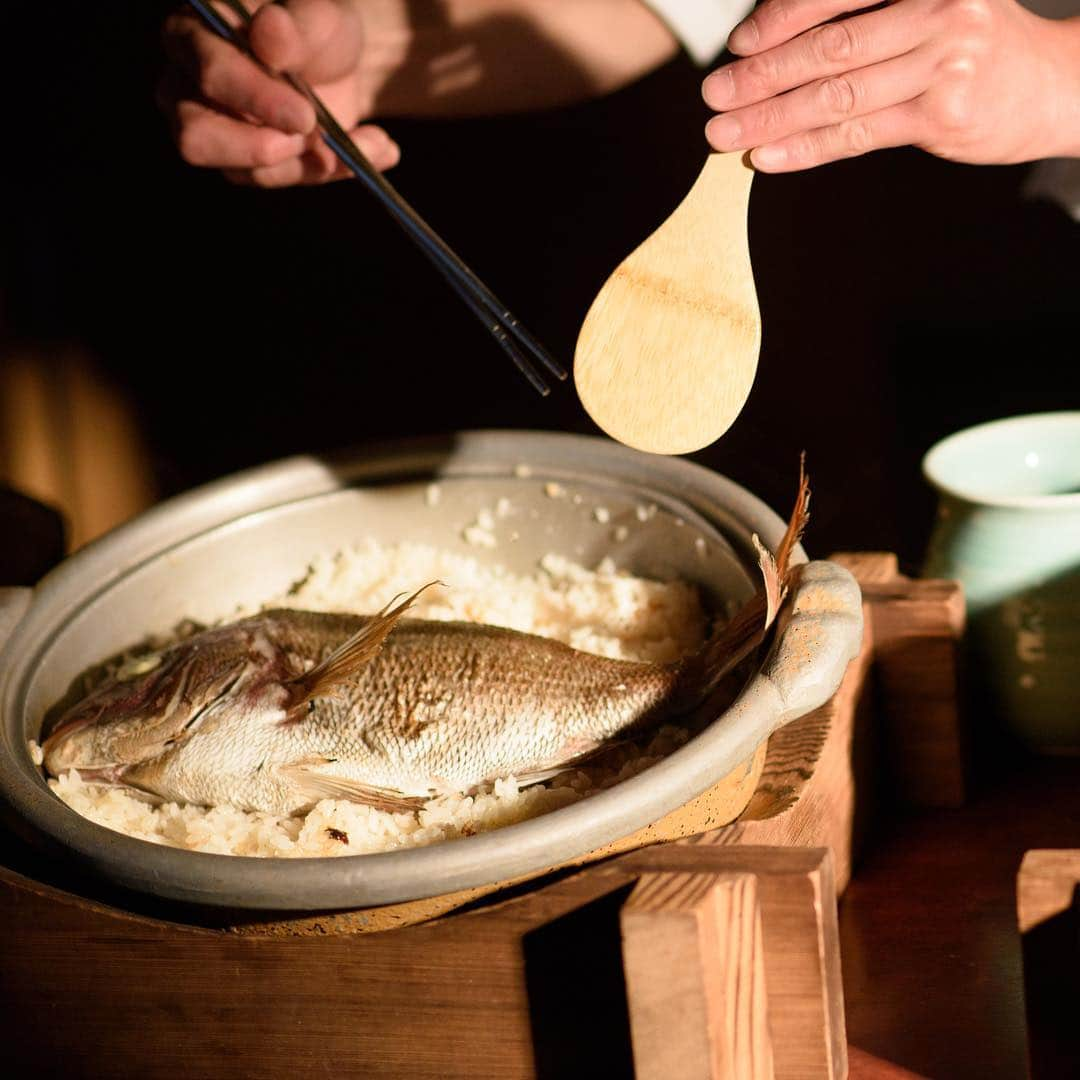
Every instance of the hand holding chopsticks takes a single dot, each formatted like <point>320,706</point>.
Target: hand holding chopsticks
<point>515,340</point>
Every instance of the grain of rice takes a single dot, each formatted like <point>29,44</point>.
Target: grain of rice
<point>478,536</point>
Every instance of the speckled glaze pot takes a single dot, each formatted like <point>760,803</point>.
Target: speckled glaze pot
<point>247,537</point>
<point>1008,528</point>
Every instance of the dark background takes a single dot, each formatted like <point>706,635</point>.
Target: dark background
<point>902,297</point>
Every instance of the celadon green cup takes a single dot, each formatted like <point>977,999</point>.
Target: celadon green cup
<point>1008,528</point>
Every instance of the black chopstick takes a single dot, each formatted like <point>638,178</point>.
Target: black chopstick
<point>502,325</point>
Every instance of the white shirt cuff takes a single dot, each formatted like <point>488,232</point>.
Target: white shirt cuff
<point>702,26</point>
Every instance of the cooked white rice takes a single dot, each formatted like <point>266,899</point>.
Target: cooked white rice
<point>602,611</point>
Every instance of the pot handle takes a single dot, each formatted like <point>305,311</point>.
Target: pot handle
<point>13,605</point>
<point>820,633</point>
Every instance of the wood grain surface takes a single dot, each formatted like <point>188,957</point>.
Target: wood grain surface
<point>531,987</point>
<point>667,354</point>
<point>695,977</point>
<point>674,922</point>
<point>917,626</point>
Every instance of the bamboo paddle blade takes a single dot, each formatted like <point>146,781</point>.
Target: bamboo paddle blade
<point>668,351</point>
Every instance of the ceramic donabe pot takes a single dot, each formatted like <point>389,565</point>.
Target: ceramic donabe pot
<point>248,537</point>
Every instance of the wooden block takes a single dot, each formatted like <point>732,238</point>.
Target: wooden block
<point>802,967</point>
<point>870,567</point>
<point>1048,916</point>
<point>797,896</point>
<point>865,1066</point>
<point>695,978</point>
<point>1046,886</point>
<point>917,627</point>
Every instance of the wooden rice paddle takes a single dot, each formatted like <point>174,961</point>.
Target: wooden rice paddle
<point>667,353</point>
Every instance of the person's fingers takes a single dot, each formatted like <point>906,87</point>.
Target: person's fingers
<point>317,164</point>
<point>207,137</point>
<point>226,77</point>
<point>318,39</point>
<point>898,125</point>
<point>821,52</point>
<point>824,103</point>
<point>776,21</point>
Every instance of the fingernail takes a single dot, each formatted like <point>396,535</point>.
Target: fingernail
<point>768,157</point>
<point>718,88</point>
<point>723,132</point>
<point>744,37</point>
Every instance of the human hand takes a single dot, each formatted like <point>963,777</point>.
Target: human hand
<point>977,81</point>
<point>228,113</point>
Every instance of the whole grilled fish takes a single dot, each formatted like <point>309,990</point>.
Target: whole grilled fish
<point>277,711</point>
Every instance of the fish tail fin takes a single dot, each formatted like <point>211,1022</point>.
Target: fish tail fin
<point>745,631</point>
<point>353,654</point>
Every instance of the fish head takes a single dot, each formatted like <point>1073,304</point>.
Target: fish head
<point>149,704</point>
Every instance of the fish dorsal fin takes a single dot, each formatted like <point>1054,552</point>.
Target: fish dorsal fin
<point>349,657</point>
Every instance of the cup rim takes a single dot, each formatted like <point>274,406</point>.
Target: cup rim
<point>932,469</point>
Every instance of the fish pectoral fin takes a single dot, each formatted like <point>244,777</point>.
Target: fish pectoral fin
<point>118,777</point>
<point>306,779</point>
<point>540,776</point>
<point>574,755</point>
<point>349,657</point>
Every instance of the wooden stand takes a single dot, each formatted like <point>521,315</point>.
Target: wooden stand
<point>711,957</point>
<point>1048,914</point>
<point>732,966</point>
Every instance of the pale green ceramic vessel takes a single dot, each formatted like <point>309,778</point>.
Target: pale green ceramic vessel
<point>1008,528</point>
